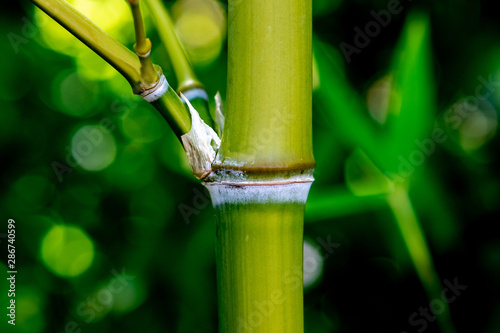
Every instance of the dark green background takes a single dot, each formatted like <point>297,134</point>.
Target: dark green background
<point>131,211</point>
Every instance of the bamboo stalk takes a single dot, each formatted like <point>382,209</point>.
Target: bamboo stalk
<point>188,83</point>
<point>268,122</point>
<point>261,177</point>
<point>262,174</point>
<point>259,257</point>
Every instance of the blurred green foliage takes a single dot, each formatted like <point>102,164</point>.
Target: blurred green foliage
<point>114,234</point>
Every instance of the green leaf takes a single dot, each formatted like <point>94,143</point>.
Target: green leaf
<point>412,103</point>
<point>342,106</point>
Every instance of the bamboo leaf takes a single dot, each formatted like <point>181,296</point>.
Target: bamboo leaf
<point>412,104</point>
<point>327,204</point>
<point>342,105</point>
<point>363,178</point>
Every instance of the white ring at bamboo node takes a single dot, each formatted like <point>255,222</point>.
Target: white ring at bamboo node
<point>152,94</point>
<point>143,55</point>
<point>258,194</point>
<point>195,93</point>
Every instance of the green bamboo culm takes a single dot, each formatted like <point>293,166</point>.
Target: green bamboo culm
<point>268,122</point>
<point>263,171</point>
<point>259,258</point>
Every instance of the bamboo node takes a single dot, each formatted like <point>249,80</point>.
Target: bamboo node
<point>158,90</point>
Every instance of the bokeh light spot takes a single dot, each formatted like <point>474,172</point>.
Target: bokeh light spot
<point>74,96</point>
<point>93,67</point>
<point>54,36</point>
<point>31,318</point>
<point>130,297</point>
<point>201,27</point>
<point>378,97</point>
<point>93,147</point>
<point>142,125</point>
<point>313,264</point>
<point>30,193</point>
<point>67,250</point>
<point>478,127</point>
<point>316,76</point>
<point>113,16</point>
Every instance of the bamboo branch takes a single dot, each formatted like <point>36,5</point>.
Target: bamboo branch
<point>145,78</point>
<point>180,63</point>
<point>158,92</point>
<point>107,47</point>
<point>174,111</point>
<point>414,239</point>
<point>189,84</point>
<point>142,45</point>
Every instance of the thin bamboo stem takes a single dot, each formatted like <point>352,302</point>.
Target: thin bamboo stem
<point>173,110</point>
<point>143,45</point>
<point>415,241</point>
<point>145,78</point>
<point>180,63</point>
<point>188,83</point>
<point>107,47</point>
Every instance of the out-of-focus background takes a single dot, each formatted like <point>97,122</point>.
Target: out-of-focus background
<point>113,234</point>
